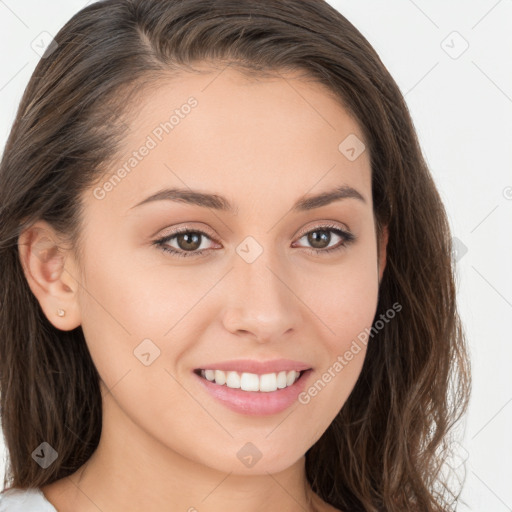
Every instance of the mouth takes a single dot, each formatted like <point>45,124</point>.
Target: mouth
<point>253,393</point>
<point>245,381</point>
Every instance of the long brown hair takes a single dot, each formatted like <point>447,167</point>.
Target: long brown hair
<point>386,447</point>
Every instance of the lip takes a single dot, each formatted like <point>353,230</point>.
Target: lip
<point>258,367</point>
<point>255,402</point>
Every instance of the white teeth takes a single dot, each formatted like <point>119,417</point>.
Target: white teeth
<point>268,382</point>
<point>233,380</point>
<point>220,377</point>
<point>290,378</point>
<point>251,381</point>
<point>281,380</point>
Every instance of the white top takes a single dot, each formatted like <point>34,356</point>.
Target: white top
<point>25,500</point>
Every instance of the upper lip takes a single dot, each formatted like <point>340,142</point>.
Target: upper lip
<point>258,367</point>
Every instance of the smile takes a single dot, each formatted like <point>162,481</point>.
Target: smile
<point>254,394</point>
<point>246,381</point>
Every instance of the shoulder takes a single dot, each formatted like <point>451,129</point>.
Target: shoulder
<point>24,500</point>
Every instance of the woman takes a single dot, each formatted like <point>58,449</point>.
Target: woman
<point>308,353</point>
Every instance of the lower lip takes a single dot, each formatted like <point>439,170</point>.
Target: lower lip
<point>256,402</point>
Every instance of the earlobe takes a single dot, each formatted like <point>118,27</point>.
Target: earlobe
<point>45,261</point>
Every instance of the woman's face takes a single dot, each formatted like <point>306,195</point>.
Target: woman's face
<point>251,285</point>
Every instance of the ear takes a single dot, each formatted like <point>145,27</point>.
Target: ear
<point>383,243</point>
<point>51,273</point>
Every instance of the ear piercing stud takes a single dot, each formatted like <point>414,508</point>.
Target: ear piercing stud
<point>61,312</point>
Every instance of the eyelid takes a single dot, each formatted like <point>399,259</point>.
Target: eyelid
<point>322,224</point>
<point>186,228</point>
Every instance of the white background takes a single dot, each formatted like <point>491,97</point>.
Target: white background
<point>462,109</point>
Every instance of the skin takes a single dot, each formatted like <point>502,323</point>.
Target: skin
<point>166,444</point>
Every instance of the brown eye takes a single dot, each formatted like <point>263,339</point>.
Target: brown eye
<point>320,238</point>
<point>187,242</point>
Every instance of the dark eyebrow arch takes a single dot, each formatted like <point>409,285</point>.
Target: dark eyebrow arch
<point>221,203</point>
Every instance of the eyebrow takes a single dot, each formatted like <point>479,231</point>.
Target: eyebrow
<point>217,202</point>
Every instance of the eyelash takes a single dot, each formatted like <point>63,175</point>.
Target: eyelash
<point>161,243</point>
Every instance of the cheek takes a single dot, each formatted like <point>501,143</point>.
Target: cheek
<point>128,318</point>
<point>345,302</point>
<point>350,303</point>
<point>344,296</point>
<point>124,303</point>
<point>132,294</point>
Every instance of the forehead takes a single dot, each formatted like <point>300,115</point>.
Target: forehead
<point>270,139</point>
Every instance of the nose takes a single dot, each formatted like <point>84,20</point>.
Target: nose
<point>262,303</point>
